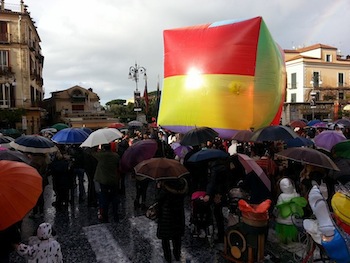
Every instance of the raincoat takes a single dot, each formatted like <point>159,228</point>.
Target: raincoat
<point>46,249</point>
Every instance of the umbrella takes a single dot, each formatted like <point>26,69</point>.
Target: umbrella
<point>207,154</point>
<point>13,155</point>
<point>327,139</point>
<point>138,152</point>
<point>160,168</point>
<point>116,125</point>
<point>345,122</point>
<point>87,130</point>
<point>273,133</point>
<point>51,130</point>
<point>101,136</point>
<point>342,149</point>
<point>11,132</point>
<point>299,142</point>
<point>180,150</point>
<point>60,126</point>
<point>135,124</point>
<point>70,136</point>
<point>242,136</point>
<point>312,122</point>
<point>5,139</point>
<point>250,165</point>
<point>320,125</point>
<point>297,123</point>
<point>33,144</point>
<point>20,188</point>
<point>308,156</point>
<point>199,135</point>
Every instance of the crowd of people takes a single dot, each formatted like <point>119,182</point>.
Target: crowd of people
<point>292,185</point>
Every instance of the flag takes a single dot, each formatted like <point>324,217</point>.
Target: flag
<point>145,97</point>
<point>158,94</point>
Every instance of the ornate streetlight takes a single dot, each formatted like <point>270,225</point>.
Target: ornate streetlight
<point>315,82</point>
<point>134,74</point>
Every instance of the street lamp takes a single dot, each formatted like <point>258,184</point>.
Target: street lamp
<point>315,82</point>
<point>134,73</point>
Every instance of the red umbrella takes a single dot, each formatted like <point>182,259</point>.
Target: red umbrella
<point>297,123</point>
<point>20,188</point>
<point>116,125</point>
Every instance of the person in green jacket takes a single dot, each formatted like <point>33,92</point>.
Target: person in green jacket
<point>107,176</point>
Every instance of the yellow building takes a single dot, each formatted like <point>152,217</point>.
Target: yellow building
<point>77,107</point>
<point>318,79</point>
<point>21,65</point>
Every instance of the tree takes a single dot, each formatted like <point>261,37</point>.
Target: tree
<point>9,117</point>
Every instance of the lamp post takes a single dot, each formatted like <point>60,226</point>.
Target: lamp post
<point>134,74</point>
<point>315,82</point>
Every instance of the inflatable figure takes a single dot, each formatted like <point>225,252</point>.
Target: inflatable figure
<point>227,75</point>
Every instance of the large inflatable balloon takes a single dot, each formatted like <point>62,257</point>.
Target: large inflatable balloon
<point>228,75</point>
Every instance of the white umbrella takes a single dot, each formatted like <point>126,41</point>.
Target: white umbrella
<point>102,136</point>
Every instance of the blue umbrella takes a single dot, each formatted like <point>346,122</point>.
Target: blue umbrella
<point>207,154</point>
<point>313,122</point>
<point>33,144</point>
<point>70,136</point>
<point>87,130</point>
<point>299,142</point>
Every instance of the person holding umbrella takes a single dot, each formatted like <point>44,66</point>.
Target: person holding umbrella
<point>171,215</point>
<point>107,175</point>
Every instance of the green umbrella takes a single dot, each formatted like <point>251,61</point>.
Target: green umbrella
<point>60,126</point>
<point>342,149</point>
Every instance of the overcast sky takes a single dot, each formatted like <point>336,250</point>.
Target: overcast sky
<point>93,43</point>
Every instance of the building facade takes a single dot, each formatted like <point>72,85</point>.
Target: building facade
<point>21,65</point>
<point>78,107</point>
<point>318,83</point>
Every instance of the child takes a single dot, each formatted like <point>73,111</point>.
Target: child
<point>44,249</point>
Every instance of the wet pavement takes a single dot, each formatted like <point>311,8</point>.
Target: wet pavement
<point>84,239</point>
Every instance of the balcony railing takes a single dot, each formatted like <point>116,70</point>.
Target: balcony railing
<point>5,71</point>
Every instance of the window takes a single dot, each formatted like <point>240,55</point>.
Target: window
<point>316,79</point>
<point>5,95</point>
<point>3,32</point>
<point>4,58</point>
<point>293,97</point>
<point>328,58</point>
<point>293,81</point>
<point>340,79</point>
<point>341,95</point>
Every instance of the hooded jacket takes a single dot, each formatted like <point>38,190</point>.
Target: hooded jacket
<point>46,250</point>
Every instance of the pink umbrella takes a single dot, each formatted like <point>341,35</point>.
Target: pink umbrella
<point>250,165</point>
<point>327,139</point>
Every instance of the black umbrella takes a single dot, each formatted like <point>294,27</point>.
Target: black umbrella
<point>273,133</point>
<point>308,156</point>
<point>199,135</point>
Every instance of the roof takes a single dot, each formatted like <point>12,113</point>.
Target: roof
<point>304,49</point>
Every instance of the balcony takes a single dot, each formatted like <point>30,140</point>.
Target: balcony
<point>5,71</point>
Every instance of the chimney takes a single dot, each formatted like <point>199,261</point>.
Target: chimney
<point>348,57</point>
<point>2,5</point>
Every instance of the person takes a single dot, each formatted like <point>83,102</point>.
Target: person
<point>171,215</point>
<point>42,248</point>
<point>107,175</point>
<point>10,237</point>
<point>40,162</point>
<point>77,156</point>
<point>141,191</point>
<point>90,164</point>
<point>216,191</point>
<point>62,179</point>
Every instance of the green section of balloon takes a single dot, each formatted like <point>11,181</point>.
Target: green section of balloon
<point>227,75</point>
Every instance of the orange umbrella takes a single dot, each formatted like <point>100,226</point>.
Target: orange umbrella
<point>20,188</point>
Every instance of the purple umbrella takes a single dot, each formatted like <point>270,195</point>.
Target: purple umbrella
<point>327,139</point>
<point>180,150</point>
<point>138,152</point>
